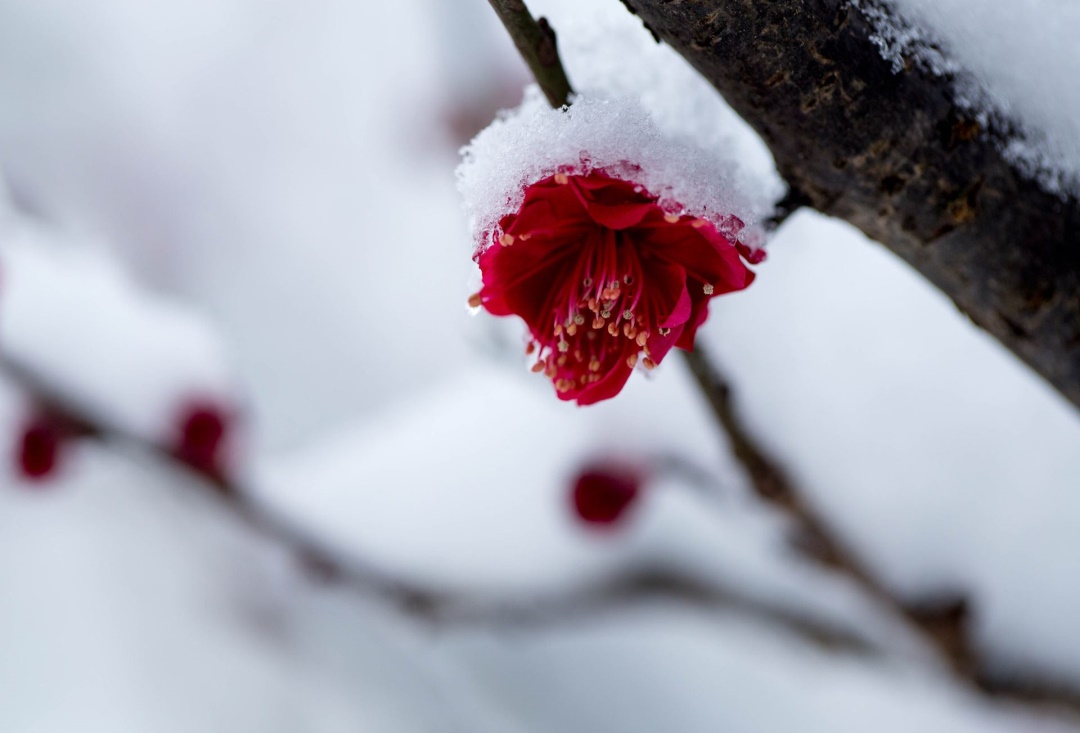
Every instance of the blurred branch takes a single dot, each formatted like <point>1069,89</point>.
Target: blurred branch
<point>325,564</point>
<point>535,41</point>
<point>945,624</point>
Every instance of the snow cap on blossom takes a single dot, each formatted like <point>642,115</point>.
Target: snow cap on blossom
<point>616,136</point>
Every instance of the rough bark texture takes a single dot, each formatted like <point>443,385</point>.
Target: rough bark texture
<point>892,154</point>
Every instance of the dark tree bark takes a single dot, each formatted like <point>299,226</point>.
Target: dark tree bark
<point>894,155</point>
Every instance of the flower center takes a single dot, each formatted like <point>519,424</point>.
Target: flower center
<point>599,316</point>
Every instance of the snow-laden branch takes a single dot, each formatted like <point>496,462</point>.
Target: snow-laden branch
<point>893,153</point>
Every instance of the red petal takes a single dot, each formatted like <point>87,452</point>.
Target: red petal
<point>609,386</point>
<point>518,279</point>
<point>548,209</point>
<point>666,295</point>
<point>659,345</point>
<point>703,251</point>
<point>613,203</point>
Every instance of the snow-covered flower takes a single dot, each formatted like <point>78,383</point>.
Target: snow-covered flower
<point>605,278</point>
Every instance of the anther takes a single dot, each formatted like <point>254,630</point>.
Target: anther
<point>613,328</point>
<point>648,363</point>
<point>571,329</point>
<point>671,218</point>
<point>561,179</point>
<point>524,236</point>
<point>475,301</point>
<point>593,305</point>
<point>708,288</point>
<point>597,322</point>
<point>558,329</point>
<point>506,239</point>
<point>642,338</point>
<point>530,347</point>
<point>561,361</point>
<point>594,365</point>
<point>537,367</point>
<point>631,361</point>
<point>698,223</point>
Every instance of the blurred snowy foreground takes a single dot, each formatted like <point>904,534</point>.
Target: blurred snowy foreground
<point>246,209</point>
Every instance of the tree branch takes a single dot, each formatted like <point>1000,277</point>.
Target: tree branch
<point>439,607</point>
<point>944,623</point>
<point>893,154</point>
<point>535,41</point>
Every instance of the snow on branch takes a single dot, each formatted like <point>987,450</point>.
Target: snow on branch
<point>898,155</point>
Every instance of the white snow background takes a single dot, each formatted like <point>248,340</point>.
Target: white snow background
<point>254,199</point>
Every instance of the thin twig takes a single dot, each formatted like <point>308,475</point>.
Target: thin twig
<point>945,625</point>
<point>535,41</point>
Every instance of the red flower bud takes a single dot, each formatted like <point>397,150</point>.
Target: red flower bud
<point>202,438</point>
<point>39,447</point>
<point>602,493</point>
<point>605,279</point>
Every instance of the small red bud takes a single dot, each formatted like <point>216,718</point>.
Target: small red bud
<point>602,493</point>
<point>39,447</point>
<point>202,436</point>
